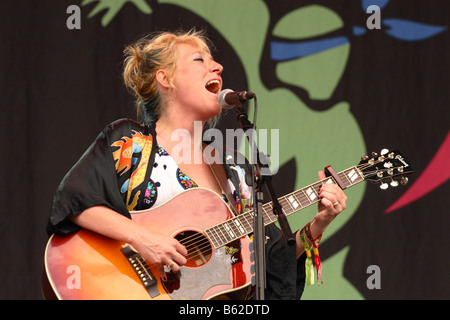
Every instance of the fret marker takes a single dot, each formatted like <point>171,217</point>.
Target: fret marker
<point>229,230</point>
<point>293,202</point>
<point>311,194</point>
<point>238,224</point>
<point>352,175</point>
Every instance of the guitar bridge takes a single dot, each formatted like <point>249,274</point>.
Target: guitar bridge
<point>142,270</point>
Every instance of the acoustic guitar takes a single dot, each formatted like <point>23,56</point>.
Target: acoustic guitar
<point>86,265</point>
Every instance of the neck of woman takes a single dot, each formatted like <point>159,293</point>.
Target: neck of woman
<point>182,138</point>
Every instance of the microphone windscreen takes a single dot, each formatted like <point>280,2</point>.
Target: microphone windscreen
<point>222,96</point>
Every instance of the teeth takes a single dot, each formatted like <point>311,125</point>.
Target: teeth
<point>211,82</point>
<point>213,86</point>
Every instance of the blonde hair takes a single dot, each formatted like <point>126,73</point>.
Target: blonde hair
<point>149,55</point>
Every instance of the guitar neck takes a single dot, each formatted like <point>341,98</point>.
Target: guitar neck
<point>242,225</point>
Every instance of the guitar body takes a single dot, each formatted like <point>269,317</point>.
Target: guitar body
<point>86,265</point>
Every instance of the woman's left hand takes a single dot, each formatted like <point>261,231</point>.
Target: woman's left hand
<point>333,202</point>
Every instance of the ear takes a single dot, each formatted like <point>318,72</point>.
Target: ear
<point>162,78</point>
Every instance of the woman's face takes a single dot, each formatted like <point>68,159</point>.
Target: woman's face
<point>197,82</point>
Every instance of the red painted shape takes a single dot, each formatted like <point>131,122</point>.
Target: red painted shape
<point>435,174</point>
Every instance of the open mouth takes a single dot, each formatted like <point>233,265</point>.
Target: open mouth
<point>213,86</point>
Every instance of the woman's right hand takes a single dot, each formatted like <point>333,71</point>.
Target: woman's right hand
<point>159,250</point>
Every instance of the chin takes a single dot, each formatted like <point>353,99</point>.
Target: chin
<point>214,111</point>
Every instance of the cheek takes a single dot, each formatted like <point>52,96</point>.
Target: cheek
<point>188,94</point>
<point>187,81</point>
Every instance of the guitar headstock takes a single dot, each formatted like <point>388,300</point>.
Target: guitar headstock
<point>387,169</point>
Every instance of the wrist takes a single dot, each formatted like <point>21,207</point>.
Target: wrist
<point>319,224</point>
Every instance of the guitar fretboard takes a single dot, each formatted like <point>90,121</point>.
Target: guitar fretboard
<point>242,225</point>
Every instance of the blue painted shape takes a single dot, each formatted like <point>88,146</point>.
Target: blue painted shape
<point>408,30</point>
<point>358,31</point>
<point>282,51</point>
<point>380,3</point>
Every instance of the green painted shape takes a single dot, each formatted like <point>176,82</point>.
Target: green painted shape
<point>309,21</point>
<point>113,7</point>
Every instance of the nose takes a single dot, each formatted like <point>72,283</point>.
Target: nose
<point>216,67</point>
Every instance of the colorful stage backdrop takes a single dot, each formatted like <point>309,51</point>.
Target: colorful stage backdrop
<point>337,78</point>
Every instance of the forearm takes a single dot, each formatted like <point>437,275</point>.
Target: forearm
<point>157,249</point>
<point>107,222</point>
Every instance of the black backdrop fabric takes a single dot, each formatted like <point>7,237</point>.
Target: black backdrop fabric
<point>60,87</point>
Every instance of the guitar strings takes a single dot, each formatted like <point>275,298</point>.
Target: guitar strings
<point>302,197</point>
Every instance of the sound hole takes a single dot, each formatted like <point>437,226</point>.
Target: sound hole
<point>198,247</point>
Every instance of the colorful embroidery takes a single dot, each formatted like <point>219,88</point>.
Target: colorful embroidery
<point>237,202</point>
<point>132,152</point>
<point>151,193</point>
<point>161,150</point>
<point>185,181</point>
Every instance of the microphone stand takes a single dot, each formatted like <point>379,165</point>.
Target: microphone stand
<point>258,180</point>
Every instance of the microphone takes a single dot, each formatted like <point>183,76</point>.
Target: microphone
<point>228,99</point>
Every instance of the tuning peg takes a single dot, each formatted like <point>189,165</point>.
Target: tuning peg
<point>404,181</point>
<point>374,154</point>
<point>394,183</point>
<point>384,186</point>
<point>384,152</point>
<point>364,157</point>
